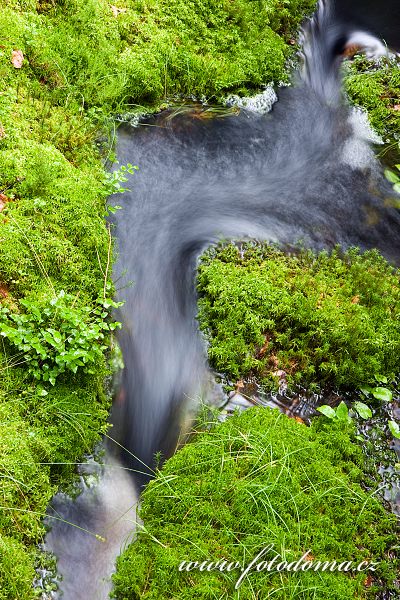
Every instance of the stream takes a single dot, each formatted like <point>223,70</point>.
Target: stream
<point>304,171</point>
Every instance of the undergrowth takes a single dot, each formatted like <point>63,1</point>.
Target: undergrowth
<point>66,69</point>
<point>259,479</point>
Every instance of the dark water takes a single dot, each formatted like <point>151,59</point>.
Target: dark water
<point>381,18</point>
<point>305,171</point>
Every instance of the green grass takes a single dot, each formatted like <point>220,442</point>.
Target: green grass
<point>257,479</point>
<point>326,320</point>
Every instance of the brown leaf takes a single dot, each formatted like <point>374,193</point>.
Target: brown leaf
<point>369,581</point>
<point>3,290</point>
<point>396,107</point>
<point>17,58</point>
<point>2,132</point>
<point>355,300</point>
<point>3,201</point>
<point>309,556</point>
<point>264,347</point>
<point>351,50</point>
<point>239,385</point>
<point>299,420</point>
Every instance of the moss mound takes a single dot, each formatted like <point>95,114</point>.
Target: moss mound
<point>139,52</point>
<point>326,319</point>
<point>257,479</point>
<point>376,87</point>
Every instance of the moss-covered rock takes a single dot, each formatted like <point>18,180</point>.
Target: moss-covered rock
<point>257,479</point>
<point>326,319</point>
<point>376,88</point>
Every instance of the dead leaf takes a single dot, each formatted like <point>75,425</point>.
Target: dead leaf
<point>264,347</point>
<point>355,300</point>
<point>369,581</point>
<point>2,132</point>
<point>396,107</point>
<point>351,50</point>
<point>17,58</point>
<point>309,557</point>
<point>299,420</point>
<point>3,201</point>
<point>3,291</point>
<point>117,11</point>
<point>239,385</point>
<point>273,361</point>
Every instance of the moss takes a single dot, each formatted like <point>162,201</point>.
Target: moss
<point>143,51</point>
<point>327,319</point>
<point>376,88</point>
<point>257,479</point>
<point>83,61</point>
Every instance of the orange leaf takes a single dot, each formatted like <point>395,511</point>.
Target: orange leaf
<point>3,200</point>
<point>369,581</point>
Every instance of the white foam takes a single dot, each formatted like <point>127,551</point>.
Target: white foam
<point>357,151</point>
<point>260,103</point>
<point>370,45</point>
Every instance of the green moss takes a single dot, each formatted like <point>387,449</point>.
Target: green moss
<point>16,569</point>
<point>377,89</point>
<point>327,319</point>
<point>152,49</point>
<point>82,62</point>
<point>43,435</point>
<point>257,479</point>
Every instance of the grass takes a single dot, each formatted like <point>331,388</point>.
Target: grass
<point>83,62</point>
<point>260,478</point>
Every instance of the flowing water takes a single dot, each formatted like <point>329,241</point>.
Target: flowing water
<point>305,171</point>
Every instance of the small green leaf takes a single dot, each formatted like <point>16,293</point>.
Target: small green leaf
<point>363,410</point>
<point>392,177</point>
<point>395,429</point>
<point>365,390</point>
<point>381,393</point>
<point>342,412</point>
<point>328,411</point>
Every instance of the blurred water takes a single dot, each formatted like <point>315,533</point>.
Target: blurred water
<point>305,171</point>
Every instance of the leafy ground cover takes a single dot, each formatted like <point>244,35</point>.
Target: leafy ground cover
<point>66,69</point>
<point>256,479</point>
<point>330,319</point>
